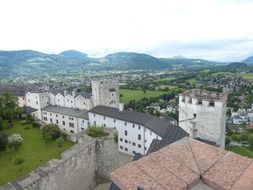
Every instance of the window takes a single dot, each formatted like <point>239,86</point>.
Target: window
<point>104,117</point>
<point>199,102</point>
<point>139,137</point>
<point>104,125</point>
<point>71,102</point>
<point>194,115</point>
<point>63,122</point>
<point>58,100</point>
<point>71,124</point>
<point>51,120</point>
<point>121,147</point>
<point>126,149</point>
<point>126,141</point>
<point>45,118</point>
<point>57,121</point>
<point>83,121</point>
<point>134,144</point>
<point>37,102</point>
<point>145,148</point>
<point>139,145</point>
<point>125,123</point>
<point>56,115</point>
<point>211,103</point>
<point>50,114</point>
<point>134,152</point>
<point>94,115</point>
<point>126,132</point>
<point>114,120</point>
<point>183,99</point>
<point>71,131</point>
<point>139,127</point>
<point>133,126</point>
<point>150,132</point>
<point>63,116</point>
<point>190,100</point>
<point>121,139</point>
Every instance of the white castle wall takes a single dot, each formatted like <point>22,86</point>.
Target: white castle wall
<point>210,121</point>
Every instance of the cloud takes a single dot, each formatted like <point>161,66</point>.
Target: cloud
<point>200,28</point>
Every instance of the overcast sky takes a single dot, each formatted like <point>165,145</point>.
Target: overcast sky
<point>210,29</point>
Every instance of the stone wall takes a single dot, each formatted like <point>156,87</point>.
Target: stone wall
<point>79,168</point>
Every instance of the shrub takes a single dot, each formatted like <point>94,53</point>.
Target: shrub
<point>26,127</point>
<point>18,161</point>
<point>50,132</point>
<point>59,141</point>
<point>95,131</point>
<point>243,137</point>
<point>1,124</point>
<point>250,140</point>
<point>30,119</point>
<point>227,141</point>
<point>14,141</point>
<point>115,135</point>
<point>234,137</point>
<point>35,124</point>
<point>3,141</point>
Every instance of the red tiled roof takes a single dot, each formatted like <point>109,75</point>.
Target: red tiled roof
<point>183,164</point>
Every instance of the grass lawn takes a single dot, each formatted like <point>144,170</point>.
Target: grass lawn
<point>244,151</point>
<point>34,150</point>
<point>138,94</point>
<point>248,76</point>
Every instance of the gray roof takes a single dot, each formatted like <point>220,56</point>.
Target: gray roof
<point>28,110</point>
<point>67,111</point>
<point>155,124</point>
<point>84,94</point>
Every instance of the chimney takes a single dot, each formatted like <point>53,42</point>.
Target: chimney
<point>65,92</point>
<point>121,107</point>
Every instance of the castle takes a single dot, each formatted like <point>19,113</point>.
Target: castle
<point>202,114</point>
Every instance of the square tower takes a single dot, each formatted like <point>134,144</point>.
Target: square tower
<point>105,93</point>
<point>203,115</point>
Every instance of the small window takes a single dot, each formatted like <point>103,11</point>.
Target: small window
<point>139,137</point>
<point>133,126</point>
<point>126,141</point>
<point>56,115</point>
<point>114,120</point>
<point>139,145</point>
<point>63,116</point>
<point>57,121</point>
<point>183,99</point>
<point>126,149</point>
<point>150,132</point>
<point>139,127</point>
<point>50,114</point>
<point>126,132</point>
<point>134,152</point>
<point>63,122</point>
<point>71,124</point>
<point>51,120</point>
<point>71,131</point>
<point>190,100</point>
<point>134,144</point>
<point>104,117</point>
<point>194,115</point>
<point>199,102</point>
<point>83,121</point>
<point>94,115</point>
<point>45,118</point>
<point>125,123</point>
<point>121,139</point>
<point>121,147</point>
<point>211,103</point>
<point>37,102</point>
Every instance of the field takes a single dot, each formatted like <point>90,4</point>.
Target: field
<point>164,79</point>
<point>34,151</point>
<point>170,87</point>
<point>244,151</point>
<point>138,94</point>
<point>248,76</point>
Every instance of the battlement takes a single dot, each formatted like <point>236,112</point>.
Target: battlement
<point>204,95</point>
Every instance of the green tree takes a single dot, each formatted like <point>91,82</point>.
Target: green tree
<point>9,107</point>
<point>3,141</point>
<point>229,112</point>
<point>51,132</point>
<point>1,123</point>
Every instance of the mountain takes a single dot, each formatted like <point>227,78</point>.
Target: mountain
<point>248,60</point>
<point>29,62</point>
<point>129,60</point>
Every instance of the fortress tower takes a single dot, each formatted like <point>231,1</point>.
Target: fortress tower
<point>203,115</point>
<point>106,93</point>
